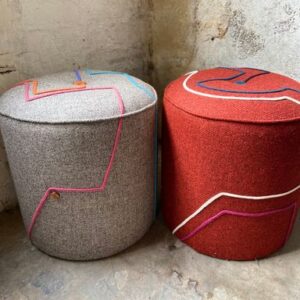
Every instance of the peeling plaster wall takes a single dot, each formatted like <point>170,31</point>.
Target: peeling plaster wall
<point>156,39</point>
<point>189,35</point>
<point>38,37</point>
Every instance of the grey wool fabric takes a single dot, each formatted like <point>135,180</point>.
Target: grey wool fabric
<point>82,140</point>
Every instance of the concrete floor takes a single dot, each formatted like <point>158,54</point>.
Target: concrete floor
<point>158,267</point>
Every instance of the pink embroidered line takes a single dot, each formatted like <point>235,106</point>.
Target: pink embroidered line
<point>243,214</point>
<point>13,86</point>
<point>111,159</point>
<point>223,97</point>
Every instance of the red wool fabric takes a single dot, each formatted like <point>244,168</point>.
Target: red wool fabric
<point>217,140</point>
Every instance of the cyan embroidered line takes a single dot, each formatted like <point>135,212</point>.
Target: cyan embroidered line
<point>151,93</point>
<point>241,82</point>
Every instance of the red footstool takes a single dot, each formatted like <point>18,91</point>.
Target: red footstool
<point>231,161</point>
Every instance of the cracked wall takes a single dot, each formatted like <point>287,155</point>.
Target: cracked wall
<point>197,34</point>
<point>152,39</point>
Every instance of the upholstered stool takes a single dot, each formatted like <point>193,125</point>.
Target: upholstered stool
<point>231,161</point>
<point>81,148</point>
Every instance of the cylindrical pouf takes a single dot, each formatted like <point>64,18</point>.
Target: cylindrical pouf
<point>81,148</point>
<point>231,161</point>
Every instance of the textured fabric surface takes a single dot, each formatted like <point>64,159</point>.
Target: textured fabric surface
<point>203,157</point>
<point>85,225</point>
<point>220,94</point>
<point>79,103</point>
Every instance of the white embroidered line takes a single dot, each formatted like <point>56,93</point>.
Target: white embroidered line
<point>217,196</point>
<point>190,74</point>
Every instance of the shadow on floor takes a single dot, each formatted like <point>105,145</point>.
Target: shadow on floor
<point>293,244</point>
<point>12,230</point>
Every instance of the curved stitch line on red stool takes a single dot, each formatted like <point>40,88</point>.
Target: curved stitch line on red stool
<point>212,219</point>
<point>223,97</point>
<point>153,96</point>
<point>35,84</point>
<point>109,166</point>
<point>226,194</point>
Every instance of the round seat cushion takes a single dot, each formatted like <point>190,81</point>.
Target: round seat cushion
<point>81,148</point>
<point>80,96</point>
<point>231,161</point>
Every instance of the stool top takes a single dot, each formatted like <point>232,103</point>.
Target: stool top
<point>237,94</point>
<point>78,96</point>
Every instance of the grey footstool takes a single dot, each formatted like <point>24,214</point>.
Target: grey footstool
<point>81,147</point>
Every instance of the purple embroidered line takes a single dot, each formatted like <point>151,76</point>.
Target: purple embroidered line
<point>44,95</point>
<point>243,214</point>
<point>227,97</point>
<point>241,73</point>
<point>109,166</point>
<point>78,76</point>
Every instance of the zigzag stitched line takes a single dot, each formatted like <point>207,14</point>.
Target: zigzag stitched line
<point>191,90</point>
<point>225,194</point>
<point>130,78</point>
<point>51,92</point>
<point>82,87</point>
<point>212,219</point>
<point>241,73</point>
<point>153,96</point>
<point>107,171</point>
<point>35,83</point>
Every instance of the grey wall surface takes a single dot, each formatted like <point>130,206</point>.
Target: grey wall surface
<point>190,35</point>
<point>154,39</point>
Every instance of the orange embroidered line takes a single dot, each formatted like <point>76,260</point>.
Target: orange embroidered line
<point>35,90</point>
<point>78,85</point>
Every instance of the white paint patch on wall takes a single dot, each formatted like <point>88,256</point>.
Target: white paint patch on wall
<point>262,34</point>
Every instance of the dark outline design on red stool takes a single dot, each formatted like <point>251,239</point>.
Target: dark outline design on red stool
<point>241,73</point>
<point>83,88</point>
